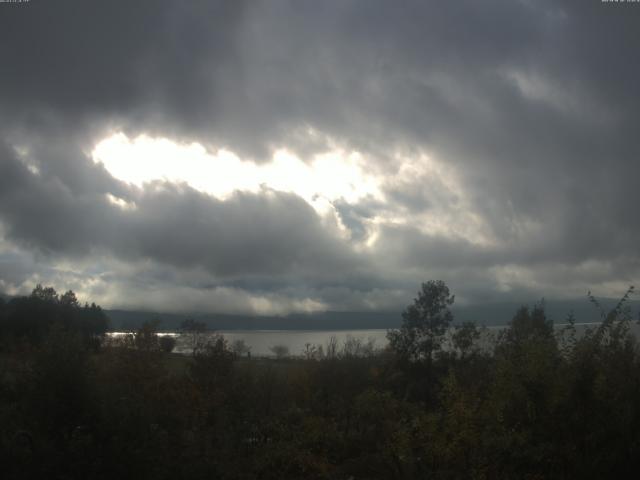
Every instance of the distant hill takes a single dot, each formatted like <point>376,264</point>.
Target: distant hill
<point>489,314</point>
<point>482,314</point>
<point>494,314</point>
<point>126,320</point>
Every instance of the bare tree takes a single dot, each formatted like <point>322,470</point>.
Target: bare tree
<point>280,351</point>
<point>240,348</point>
<point>194,330</point>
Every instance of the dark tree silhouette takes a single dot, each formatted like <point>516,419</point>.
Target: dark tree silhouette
<point>424,323</point>
<point>195,331</point>
<point>32,318</point>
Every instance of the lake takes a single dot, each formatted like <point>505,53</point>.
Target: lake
<point>260,341</point>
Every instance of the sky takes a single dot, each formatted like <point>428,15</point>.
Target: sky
<point>269,157</point>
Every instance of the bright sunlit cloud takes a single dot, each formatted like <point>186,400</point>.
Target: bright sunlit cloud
<point>325,178</point>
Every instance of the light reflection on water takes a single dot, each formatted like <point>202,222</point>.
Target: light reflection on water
<point>260,341</point>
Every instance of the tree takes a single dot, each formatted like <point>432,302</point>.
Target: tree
<point>424,323</point>
<point>465,338</point>
<point>167,343</point>
<point>212,364</point>
<point>69,299</point>
<point>95,322</point>
<point>32,317</point>
<point>280,351</point>
<point>46,294</point>
<point>240,347</point>
<point>195,330</point>
<point>528,324</point>
<point>3,306</point>
<point>146,338</point>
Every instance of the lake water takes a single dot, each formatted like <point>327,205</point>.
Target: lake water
<point>261,341</point>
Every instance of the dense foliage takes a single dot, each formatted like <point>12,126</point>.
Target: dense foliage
<point>32,318</point>
<point>533,402</point>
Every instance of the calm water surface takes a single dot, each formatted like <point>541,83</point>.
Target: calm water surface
<point>260,341</point>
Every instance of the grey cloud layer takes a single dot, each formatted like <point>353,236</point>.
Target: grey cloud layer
<point>533,105</point>
<point>269,233</point>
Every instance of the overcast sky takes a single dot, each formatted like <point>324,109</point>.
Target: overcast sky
<point>272,157</point>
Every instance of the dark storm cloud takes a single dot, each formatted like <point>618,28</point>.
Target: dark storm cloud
<point>144,61</point>
<point>269,233</point>
<point>533,105</point>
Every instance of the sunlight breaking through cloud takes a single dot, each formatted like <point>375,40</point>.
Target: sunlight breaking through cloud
<point>325,178</point>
